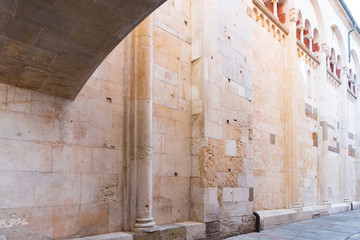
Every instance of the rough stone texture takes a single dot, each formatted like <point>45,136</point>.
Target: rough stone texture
<point>226,82</point>
<point>54,46</point>
<point>61,164</point>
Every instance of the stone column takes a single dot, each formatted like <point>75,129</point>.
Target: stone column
<point>301,34</point>
<point>323,197</point>
<point>344,125</point>
<point>275,2</point>
<point>143,124</point>
<point>293,93</point>
<point>310,44</point>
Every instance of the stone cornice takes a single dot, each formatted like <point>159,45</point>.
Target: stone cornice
<point>271,16</point>
<point>351,93</point>
<point>307,51</point>
<point>333,77</point>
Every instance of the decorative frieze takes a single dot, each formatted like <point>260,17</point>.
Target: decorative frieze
<point>307,55</point>
<point>351,95</point>
<point>270,21</point>
<point>333,79</point>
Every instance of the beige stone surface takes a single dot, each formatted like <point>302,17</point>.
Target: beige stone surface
<point>208,111</point>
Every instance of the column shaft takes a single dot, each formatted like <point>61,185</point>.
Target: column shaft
<point>143,118</point>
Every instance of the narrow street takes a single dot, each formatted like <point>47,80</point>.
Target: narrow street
<point>334,227</point>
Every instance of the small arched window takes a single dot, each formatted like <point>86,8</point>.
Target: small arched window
<point>299,26</point>
<point>354,85</point>
<point>307,33</point>
<point>316,39</point>
<point>338,66</point>
<point>350,79</point>
<point>310,89</point>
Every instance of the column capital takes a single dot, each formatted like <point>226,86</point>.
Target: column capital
<point>324,48</point>
<point>293,15</point>
<point>345,70</point>
<point>274,1</point>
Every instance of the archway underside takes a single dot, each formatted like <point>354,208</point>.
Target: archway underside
<point>54,46</point>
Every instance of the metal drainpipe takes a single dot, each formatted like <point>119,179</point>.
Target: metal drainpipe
<point>343,4</point>
<point>349,47</point>
<point>257,221</point>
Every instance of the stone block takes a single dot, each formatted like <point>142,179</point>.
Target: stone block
<point>240,194</point>
<point>57,189</point>
<point>26,221</point>
<point>116,220</point>
<point>194,230</point>
<point>72,159</point>
<point>110,236</point>
<point>227,194</point>
<point>107,160</point>
<point>231,148</point>
<point>212,227</point>
<point>80,220</point>
<point>163,74</point>
<point>26,54</point>
<point>17,189</point>
<point>46,15</point>
<point>15,156</point>
<point>210,195</point>
<point>18,30</point>
<point>99,188</point>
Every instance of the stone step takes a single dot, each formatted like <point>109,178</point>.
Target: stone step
<point>110,236</point>
<point>178,231</point>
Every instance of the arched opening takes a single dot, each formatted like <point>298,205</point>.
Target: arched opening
<point>276,8</point>
<point>309,84</point>
<point>350,79</point>
<point>354,85</point>
<point>307,33</point>
<point>338,66</point>
<point>299,27</point>
<point>316,40</point>
<point>281,11</point>
<point>332,60</point>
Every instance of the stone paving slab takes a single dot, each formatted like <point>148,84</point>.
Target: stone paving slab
<point>342,226</point>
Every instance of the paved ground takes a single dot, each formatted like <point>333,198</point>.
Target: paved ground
<point>334,227</point>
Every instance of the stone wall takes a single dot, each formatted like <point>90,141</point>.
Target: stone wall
<point>269,120</point>
<point>172,112</point>
<point>222,161</point>
<point>61,160</point>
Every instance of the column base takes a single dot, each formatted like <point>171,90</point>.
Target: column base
<point>326,203</point>
<point>144,223</point>
<point>296,207</point>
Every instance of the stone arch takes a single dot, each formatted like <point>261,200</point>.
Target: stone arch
<point>339,40</point>
<point>316,40</point>
<point>338,66</point>
<point>355,58</point>
<point>320,20</point>
<point>309,79</point>
<point>307,33</point>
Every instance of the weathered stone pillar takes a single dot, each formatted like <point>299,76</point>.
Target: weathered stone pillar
<point>275,2</point>
<point>323,146</point>
<point>310,44</point>
<point>301,34</point>
<point>293,115</point>
<point>143,122</point>
<point>344,126</point>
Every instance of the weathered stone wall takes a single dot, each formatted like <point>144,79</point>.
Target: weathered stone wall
<point>269,119</point>
<point>222,161</point>
<point>61,160</point>
<point>172,112</point>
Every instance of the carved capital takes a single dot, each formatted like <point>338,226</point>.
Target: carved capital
<point>274,1</point>
<point>324,48</point>
<point>293,15</point>
<point>345,70</point>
